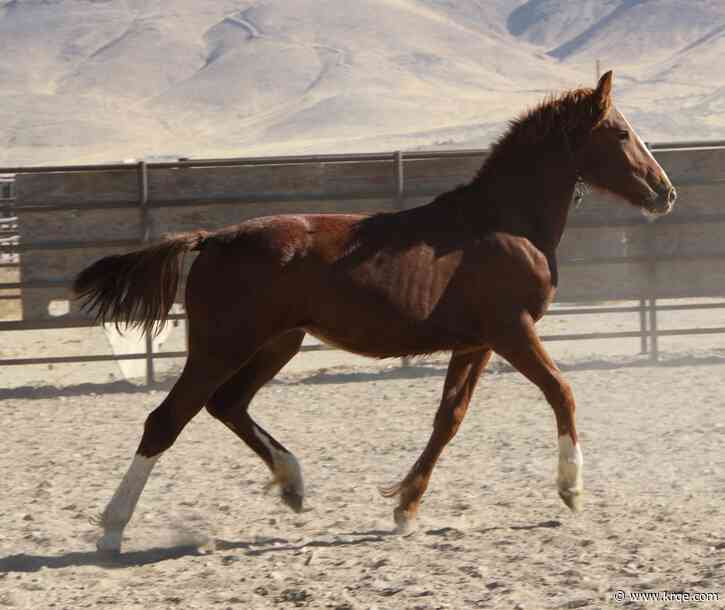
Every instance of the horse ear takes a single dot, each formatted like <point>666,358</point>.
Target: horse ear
<point>603,97</point>
<point>604,88</point>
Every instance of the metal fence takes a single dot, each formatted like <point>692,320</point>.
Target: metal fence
<point>8,221</point>
<point>391,185</point>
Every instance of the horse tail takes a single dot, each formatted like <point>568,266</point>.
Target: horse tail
<point>136,289</point>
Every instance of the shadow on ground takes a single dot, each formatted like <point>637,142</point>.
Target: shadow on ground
<point>23,562</point>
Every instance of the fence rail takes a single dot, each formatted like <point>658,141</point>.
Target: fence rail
<point>8,221</point>
<point>360,181</point>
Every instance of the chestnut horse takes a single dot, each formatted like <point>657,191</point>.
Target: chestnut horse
<point>471,273</point>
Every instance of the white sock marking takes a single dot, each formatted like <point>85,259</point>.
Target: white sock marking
<point>286,467</point>
<point>570,466</point>
<point>119,510</point>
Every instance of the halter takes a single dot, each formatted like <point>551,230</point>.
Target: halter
<point>581,188</point>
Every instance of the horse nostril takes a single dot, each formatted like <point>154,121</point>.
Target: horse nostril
<point>671,196</point>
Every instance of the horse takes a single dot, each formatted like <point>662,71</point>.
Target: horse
<point>470,273</point>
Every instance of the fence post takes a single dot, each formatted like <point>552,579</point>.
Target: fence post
<point>400,205</point>
<point>143,199</point>
<point>400,181</point>
<point>654,351</point>
<point>643,325</point>
<point>652,293</point>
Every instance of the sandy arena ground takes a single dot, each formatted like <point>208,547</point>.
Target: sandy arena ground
<point>492,531</point>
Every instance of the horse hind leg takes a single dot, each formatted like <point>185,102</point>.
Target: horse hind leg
<point>197,382</point>
<point>464,371</point>
<point>230,405</point>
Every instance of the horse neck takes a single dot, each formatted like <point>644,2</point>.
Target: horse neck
<point>532,200</point>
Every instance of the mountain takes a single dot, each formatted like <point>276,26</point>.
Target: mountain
<point>103,80</point>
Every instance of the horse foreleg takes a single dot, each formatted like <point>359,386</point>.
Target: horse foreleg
<point>196,383</point>
<point>230,404</point>
<point>464,370</point>
<point>525,351</point>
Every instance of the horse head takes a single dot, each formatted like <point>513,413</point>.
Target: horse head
<point>614,158</point>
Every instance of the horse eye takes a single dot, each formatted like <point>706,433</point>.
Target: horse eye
<point>623,134</point>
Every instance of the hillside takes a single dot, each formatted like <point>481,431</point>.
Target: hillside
<point>102,80</point>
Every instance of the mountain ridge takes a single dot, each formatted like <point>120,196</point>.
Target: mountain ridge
<point>94,81</point>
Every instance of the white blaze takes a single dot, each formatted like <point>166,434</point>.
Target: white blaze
<point>638,139</point>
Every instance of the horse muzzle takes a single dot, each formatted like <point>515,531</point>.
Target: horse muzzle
<point>662,202</point>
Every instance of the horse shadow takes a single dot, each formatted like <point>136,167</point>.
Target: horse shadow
<point>351,539</point>
<point>24,562</point>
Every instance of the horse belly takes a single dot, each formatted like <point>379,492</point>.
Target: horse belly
<point>347,344</point>
<point>391,339</point>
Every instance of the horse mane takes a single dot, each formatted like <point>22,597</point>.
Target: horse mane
<point>557,122</point>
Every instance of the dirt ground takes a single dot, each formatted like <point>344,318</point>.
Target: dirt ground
<point>492,531</point>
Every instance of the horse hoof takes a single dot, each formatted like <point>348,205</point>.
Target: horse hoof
<point>109,556</point>
<point>110,543</point>
<point>405,522</point>
<point>573,499</point>
<point>293,499</point>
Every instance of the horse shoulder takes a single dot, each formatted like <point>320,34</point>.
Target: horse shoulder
<point>529,270</point>
<point>521,253</point>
